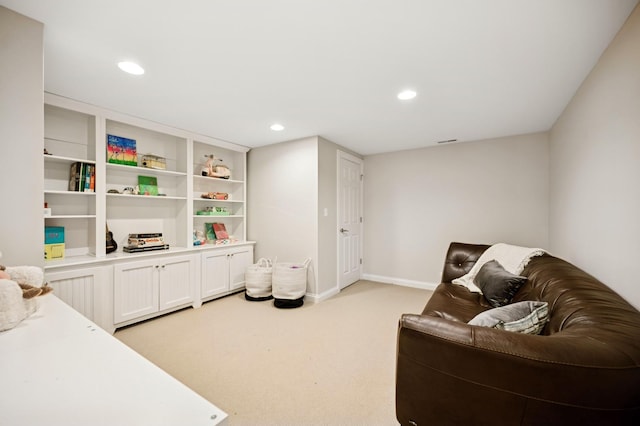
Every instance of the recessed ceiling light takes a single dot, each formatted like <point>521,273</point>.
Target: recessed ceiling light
<point>277,127</point>
<point>131,68</point>
<point>405,95</point>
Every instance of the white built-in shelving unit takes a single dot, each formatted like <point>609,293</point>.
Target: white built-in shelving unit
<point>77,132</point>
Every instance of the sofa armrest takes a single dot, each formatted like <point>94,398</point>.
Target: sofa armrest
<point>487,370</point>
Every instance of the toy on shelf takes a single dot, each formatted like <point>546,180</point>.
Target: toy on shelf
<point>211,169</point>
<point>213,211</point>
<point>198,238</point>
<point>215,195</point>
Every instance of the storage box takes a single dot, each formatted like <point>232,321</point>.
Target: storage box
<point>154,162</point>
<point>53,251</point>
<point>54,234</point>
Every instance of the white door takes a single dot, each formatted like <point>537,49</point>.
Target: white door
<point>349,230</point>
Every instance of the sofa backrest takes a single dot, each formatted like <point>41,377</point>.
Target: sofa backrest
<point>460,259</point>
<point>579,304</point>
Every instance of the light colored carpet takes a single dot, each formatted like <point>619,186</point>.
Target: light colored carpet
<point>331,363</point>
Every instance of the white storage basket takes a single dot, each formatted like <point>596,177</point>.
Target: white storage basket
<point>289,284</point>
<point>258,280</point>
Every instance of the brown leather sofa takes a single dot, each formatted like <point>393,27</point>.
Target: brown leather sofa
<point>584,368</point>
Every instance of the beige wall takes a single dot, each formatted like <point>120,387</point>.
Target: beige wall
<point>327,225</point>
<point>22,139</point>
<point>595,168</point>
<point>416,202</point>
<point>282,185</point>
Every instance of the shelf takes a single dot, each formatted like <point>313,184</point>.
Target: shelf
<point>209,200</point>
<point>73,193</point>
<point>142,170</point>
<point>71,216</point>
<point>70,261</point>
<point>216,180</point>
<point>217,216</point>
<point>61,159</point>
<point>147,197</point>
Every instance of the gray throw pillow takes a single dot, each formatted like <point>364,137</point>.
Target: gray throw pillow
<point>527,317</point>
<point>497,284</point>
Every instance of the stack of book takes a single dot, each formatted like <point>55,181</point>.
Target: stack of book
<point>82,177</point>
<point>145,242</point>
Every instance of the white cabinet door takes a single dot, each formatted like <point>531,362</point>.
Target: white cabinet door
<point>87,290</point>
<point>176,280</point>
<point>239,259</point>
<point>215,273</point>
<point>223,270</point>
<point>135,290</point>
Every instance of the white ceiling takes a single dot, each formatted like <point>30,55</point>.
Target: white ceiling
<point>229,69</point>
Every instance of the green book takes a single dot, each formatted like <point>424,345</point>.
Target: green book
<point>210,234</point>
<point>148,185</point>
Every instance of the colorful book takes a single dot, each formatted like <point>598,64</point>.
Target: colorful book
<point>92,187</point>
<point>82,177</point>
<point>87,178</point>
<point>220,231</point>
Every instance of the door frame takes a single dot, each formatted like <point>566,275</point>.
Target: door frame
<point>340,156</point>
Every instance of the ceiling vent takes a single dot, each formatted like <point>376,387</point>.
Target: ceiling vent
<point>448,141</point>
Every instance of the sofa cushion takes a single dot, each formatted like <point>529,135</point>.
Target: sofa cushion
<point>527,317</point>
<point>497,284</point>
<point>467,304</point>
<point>512,258</point>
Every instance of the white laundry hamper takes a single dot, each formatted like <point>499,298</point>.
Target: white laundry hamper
<point>257,279</point>
<point>289,284</point>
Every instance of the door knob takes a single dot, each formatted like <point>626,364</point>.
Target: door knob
<point>343,230</point>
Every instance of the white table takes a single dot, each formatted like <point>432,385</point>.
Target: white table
<point>59,368</point>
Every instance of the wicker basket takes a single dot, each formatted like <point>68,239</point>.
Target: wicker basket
<point>289,284</point>
<point>258,281</point>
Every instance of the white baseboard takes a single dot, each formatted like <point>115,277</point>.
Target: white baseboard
<point>315,298</point>
<point>400,281</point>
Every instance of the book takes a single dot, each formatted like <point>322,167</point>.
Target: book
<point>74,175</point>
<point>87,178</point>
<point>121,150</point>
<point>148,185</point>
<point>147,235</point>
<point>145,242</point>
<point>220,231</point>
<point>82,177</point>
<point>92,186</point>
<point>133,249</point>
<point>210,234</point>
